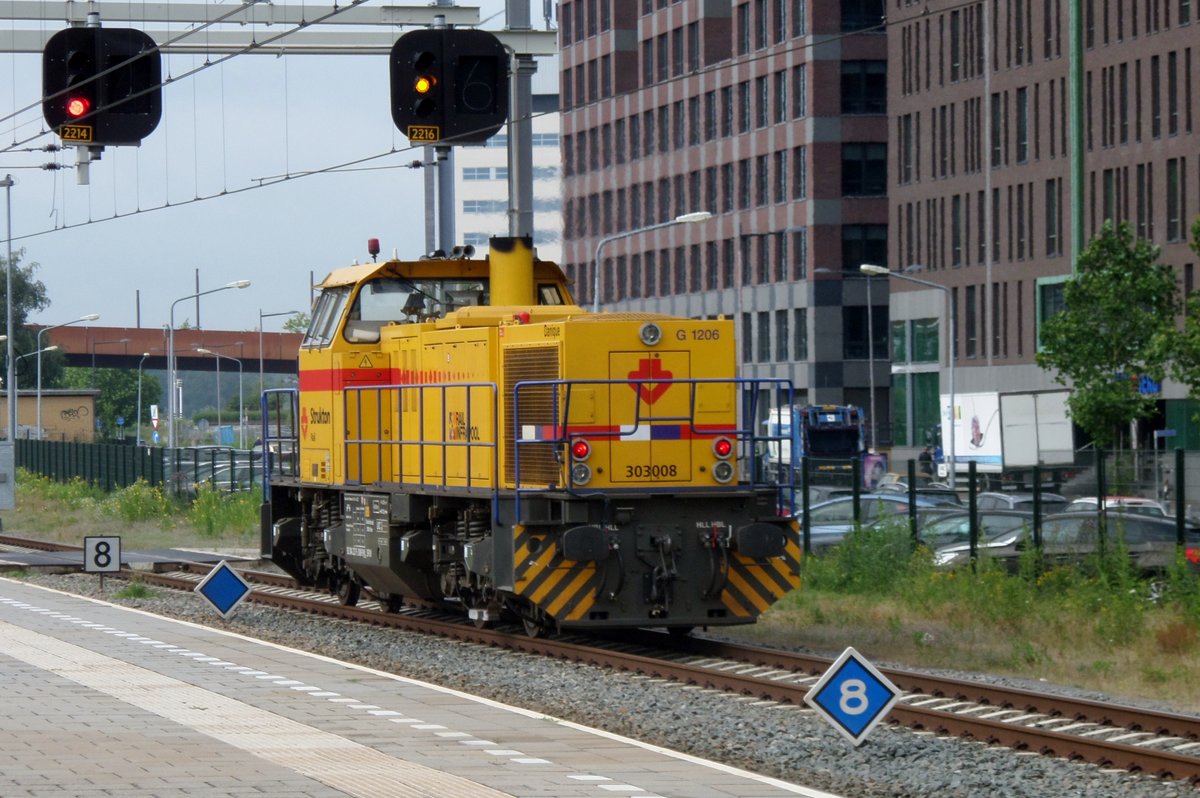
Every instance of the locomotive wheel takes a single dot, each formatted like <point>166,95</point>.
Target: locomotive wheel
<point>680,631</point>
<point>532,627</point>
<point>348,592</point>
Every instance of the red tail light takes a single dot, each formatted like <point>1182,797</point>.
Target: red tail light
<point>722,447</point>
<point>580,449</point>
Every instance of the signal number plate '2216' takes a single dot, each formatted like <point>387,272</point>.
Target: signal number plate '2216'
<point>424,133</point>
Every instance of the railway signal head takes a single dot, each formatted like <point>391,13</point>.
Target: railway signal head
<point>416,65</point>
<point>101,86</point>
<point>449,86</point>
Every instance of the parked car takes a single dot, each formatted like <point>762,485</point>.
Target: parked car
<point>1071,538</point>
<point>831,520</point>
<point>1128,504</point>
<point>952,528</point>
<point>1051,502</point>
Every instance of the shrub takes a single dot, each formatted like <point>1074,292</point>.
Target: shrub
<point>139,502</point>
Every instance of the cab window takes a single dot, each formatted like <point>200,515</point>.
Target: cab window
<point>326,314</point>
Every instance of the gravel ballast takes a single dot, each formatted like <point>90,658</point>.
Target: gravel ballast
<point>785,742</point>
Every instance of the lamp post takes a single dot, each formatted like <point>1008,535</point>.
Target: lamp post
<point>687,218</point>
<point>870,269</point>
<point>218,356</point>
<point>137,424</point>
<point>261,316</point>
<point>871,359</point>
<point>88,317</point>
<point>11,377</point>
<point>171,354</point>
<point>38,353</point>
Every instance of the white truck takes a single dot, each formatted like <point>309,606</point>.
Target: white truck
<point>1007,434</point>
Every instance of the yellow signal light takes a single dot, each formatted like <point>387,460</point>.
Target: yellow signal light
<point>424,84</point>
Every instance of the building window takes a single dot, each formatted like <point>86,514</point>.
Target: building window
<point>763,339</point>
<point>1053,218</point>
<point>864,169</point>
<point>800,172</point>
<point>863,243</point>
<point>800,335</point>
<point>693,36</point>
<point>864,87</point>
<point>762,101</point>
<point>1022,125</point>
<point>743,29</point>
<point>782,336</point>
<point>799,91</point>
<point>862,14</point>
<point>1175,198</point>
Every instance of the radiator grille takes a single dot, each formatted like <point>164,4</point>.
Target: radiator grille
<point>539,463</point>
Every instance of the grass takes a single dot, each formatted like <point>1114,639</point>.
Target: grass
<point>1097,626</point>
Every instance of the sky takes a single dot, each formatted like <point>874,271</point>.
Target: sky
<point>223,131</point>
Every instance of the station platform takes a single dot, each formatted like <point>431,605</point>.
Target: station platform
<point>102,700</point>
<point>147,559</point>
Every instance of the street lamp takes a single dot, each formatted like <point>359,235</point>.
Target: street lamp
<point>871,358</point>
<point>241,426</point>
<point>137,424</point>
<point>261,316</point>
<point>870,269</point>
<point>11,379</point>
<point>13,392</point>
<point>687,218</point>
<point>171,354</point>
<point>88,317</point>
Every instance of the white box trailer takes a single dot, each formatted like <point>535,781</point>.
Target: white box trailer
<point>1009,433</point>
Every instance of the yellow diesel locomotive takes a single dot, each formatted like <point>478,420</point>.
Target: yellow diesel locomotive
<point>465,435</point>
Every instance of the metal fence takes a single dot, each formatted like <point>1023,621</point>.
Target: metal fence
<point>1170,477</point>
<point>179,472</point>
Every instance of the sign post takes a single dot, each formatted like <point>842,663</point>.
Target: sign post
<point>101,555</point>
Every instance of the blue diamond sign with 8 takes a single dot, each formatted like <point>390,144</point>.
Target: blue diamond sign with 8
<point>853,696</point>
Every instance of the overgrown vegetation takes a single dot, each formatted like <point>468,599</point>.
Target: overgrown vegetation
<point>142,514</point>
<point>1098,625</point>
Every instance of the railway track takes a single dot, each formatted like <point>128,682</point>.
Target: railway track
<point>1104,734</point>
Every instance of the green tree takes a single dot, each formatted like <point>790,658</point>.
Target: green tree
<point>1186,365</point>
<point>297,323</point>
<point>29,296</point>
<point>1117,324</point>
<point>118,395</point>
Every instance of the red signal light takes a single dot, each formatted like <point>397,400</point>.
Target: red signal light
<point>580,449</point>
<point>722,447</point>
<point>77,106</point>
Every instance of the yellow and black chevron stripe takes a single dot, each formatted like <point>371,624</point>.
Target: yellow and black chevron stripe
<point>754,585</point>
<point>567,589</point>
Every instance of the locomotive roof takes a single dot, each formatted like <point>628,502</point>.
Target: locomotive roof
<point>357,273</point>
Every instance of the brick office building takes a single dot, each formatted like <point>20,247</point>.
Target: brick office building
<point>979,194</point>
<point>771,115</point>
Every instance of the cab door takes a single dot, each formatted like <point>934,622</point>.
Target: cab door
<point>653,443</point>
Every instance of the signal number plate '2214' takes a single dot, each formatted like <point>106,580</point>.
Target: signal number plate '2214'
<point>81,134</point>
